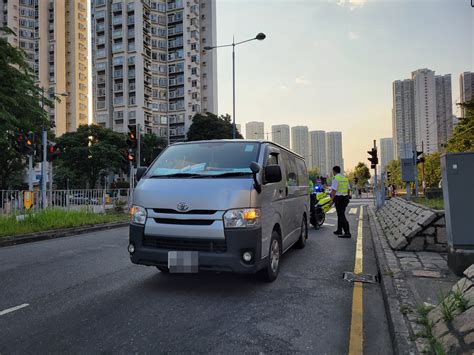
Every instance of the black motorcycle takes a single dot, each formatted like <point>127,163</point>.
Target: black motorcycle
<point>317,214</point>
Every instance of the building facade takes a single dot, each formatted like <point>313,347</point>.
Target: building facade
<point>281,135</point>
<point>53,34</point>
<point>255,130</point>
<point>466,83</point>
<point>403,112</point>
<point>386,152</point>
<point>149,66</point>
<point>299,142</point>
<point>318,151</point>
<point>334,151</point>
<point>444,109</point>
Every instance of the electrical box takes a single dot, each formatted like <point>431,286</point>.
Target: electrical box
<point>457,170</point>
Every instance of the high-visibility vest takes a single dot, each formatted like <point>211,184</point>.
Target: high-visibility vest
<point>311,186</point>
<point>342,184</point>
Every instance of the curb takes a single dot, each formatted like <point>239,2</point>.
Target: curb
<point>399,329</point>
<point>57,233</point>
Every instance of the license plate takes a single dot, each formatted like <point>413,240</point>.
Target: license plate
<point>183,261</point>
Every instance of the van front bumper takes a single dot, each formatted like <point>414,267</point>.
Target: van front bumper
<point>230,260</point>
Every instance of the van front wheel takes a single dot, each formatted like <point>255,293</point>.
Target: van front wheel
<point>270,272</point>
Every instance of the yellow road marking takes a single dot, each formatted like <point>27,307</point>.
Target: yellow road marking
<point>357,322</point>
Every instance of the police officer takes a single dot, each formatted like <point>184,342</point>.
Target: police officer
<point>340,197</point>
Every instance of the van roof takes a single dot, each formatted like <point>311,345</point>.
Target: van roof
<point>261,141</point>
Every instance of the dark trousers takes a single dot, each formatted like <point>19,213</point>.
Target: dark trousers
<point>341,203</point>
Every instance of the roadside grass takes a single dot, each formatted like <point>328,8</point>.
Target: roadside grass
<point>51,219</point>
<point>436,203</point>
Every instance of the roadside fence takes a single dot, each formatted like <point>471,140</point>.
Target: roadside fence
<point>14,202</point>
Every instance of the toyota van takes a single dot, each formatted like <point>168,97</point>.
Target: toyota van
<point>221,205</point>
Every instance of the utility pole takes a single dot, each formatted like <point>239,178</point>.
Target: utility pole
<point>423,184</point>
<point>139,133</point>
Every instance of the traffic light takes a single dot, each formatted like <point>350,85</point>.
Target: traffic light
<point>132,136</point>
<point>131,155</point>
<point>52,152</point>
<point>374,160</point>
<point>420,157</point>
<point>30,144</point>
<point>20,143</point>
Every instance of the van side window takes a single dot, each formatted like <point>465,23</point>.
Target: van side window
<point>291,171</point>
<point>272,159</point>
<point>302,173</point>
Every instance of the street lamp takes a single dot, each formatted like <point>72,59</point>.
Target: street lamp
<point>259,37</point>
<point>44,140</point>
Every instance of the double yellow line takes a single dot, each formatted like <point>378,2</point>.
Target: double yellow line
<point>356,342</point>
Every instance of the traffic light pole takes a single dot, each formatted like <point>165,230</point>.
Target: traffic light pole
<point>30,172</point>
<point>416,172</point>
<point>44,203</point>
<point>376,193</point>
<point>138,144</point>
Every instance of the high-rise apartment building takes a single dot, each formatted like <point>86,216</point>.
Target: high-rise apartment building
<point>255,130</point>
<point>403,112</point>
<point>426,125</point>
<point>318,151</point>
<point>149,66</point>
<point>466,83</point>
<point>299,142</point>
<point>386,152</point>
<point>444,109</point>
<point>281,135</point>
<point>334,151</point>
<point>53,34</point>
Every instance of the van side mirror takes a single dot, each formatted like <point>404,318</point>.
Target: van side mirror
<point>255,168</point>
<point>272,174</point>
<point>140,171</point>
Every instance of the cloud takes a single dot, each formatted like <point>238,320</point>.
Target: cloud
<point>353,35</point>
<point>301,80</point>
<point>352,4</point>
<point>283,87</point>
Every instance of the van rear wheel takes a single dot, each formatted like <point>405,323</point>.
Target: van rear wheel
<point>270,272</point>
<point>301,243</point>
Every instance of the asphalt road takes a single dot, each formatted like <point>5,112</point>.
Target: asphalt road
<point>82,294</point>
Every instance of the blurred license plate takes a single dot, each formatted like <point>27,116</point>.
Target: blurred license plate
<point>183,261</point>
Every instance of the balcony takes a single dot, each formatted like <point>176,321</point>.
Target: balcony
<point>117,20</point>
<point>117,33</point>
<point>132,100</point>
<point>101,92</point>
<point>118,87</point>
<point>131,74</point>
<point>118,100</point>
<point>117,7</point>
<point>131,87</point>
<point>118,74</point>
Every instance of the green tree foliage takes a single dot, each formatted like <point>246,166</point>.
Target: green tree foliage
<point>89,153</point>
<point>313,174</point>
<point>210,126</point>
<point>20,110</point>
<point>432,168</point>
<point>395,170</point>
<point>151,145</point>
<point>463,136</point>
<point>361,173</point>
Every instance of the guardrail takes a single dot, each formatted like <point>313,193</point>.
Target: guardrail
<point>18,201</point>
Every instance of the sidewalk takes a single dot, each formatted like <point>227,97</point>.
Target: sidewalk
<point>410,281</point>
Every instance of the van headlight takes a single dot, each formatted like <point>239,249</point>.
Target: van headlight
<point>242,218</point>
<point>138,215</point>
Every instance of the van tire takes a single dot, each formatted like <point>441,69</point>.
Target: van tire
<point>301,243</point>
<point>163,269</point>
<point>270,272</point>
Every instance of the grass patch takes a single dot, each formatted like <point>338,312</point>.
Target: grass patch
<point>436,203</point>
<point>51,219</point>
<point>435,347</point>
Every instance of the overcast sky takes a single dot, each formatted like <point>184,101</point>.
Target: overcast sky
<point>330,64</point>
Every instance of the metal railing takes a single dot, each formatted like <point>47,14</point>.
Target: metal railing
<point>14,201</point>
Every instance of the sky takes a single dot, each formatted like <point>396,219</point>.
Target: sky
<point>330,64</point>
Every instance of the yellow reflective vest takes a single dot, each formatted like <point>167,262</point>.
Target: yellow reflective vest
<point>342,184</point>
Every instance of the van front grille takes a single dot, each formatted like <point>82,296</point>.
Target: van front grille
<point>171,211</point>
<point>187,222</point>
<point>207,245</point>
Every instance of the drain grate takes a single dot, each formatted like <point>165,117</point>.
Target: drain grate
<point>365,278</point>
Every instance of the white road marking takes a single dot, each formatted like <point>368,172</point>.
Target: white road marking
<point>353,211</point>
<point>329,224</point>
<point>13,309</point>
<point>332,210</point>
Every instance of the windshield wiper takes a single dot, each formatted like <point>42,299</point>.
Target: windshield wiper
<point>231,174</point>
<point>176,175</point>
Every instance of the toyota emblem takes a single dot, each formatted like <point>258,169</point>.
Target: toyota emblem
<point>182,207</point>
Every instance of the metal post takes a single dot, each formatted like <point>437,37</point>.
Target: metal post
<point>30,172</point>
<point>375,181</point>
<point>51,183</point>
<point>233,88</point>
<point>416,172</point>
<point>67,193</point>
<point>408,190</point>
<point>423,185</point>
<point>138,145</point>
<point>44,203</point>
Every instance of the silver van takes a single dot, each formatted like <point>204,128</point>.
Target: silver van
<point>221,205</point>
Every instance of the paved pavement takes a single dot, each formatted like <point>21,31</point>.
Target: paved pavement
<point>82,294</point>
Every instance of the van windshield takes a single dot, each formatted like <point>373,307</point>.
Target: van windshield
<point>211,159</point>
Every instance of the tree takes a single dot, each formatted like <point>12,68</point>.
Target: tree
<point>150,146</point>
<point>19,109</point>
<point>362,174</point>
<point>87,154</point>
<point>432,170</point>
<point>463,136</point>
<point>313,174</point>
<point>395,170</point>
<point>210,126</point>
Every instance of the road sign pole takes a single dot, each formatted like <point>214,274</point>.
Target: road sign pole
<point>30,172</point>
